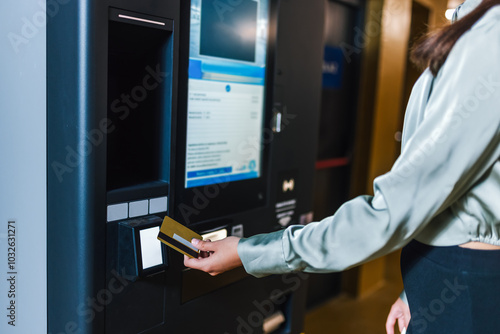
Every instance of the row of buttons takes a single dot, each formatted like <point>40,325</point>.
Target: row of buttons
<point>137,208</point>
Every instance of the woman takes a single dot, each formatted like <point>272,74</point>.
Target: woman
<point>440,201</point>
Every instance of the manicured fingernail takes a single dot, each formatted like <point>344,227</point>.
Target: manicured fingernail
<point>195,241</point>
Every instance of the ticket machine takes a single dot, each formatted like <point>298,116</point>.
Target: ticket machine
<point>203,110</point>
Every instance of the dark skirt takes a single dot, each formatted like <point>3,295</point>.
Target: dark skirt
<point>451,289</point>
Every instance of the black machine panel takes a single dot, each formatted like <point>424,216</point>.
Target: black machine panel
<point>207,112</point>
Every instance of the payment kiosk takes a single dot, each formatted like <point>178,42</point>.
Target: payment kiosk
<point>205,111</point>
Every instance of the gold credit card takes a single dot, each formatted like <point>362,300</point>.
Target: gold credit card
<point>178,236</point>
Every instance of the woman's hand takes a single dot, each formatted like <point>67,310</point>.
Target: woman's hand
<point>215,257</point>
<point>399,312</point>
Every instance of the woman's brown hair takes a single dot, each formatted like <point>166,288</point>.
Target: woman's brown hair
<point>433,50</point>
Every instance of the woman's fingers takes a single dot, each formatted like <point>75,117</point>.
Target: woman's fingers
<point>199,244</point>
<point>389,325</point>
<point>222,256</point>
<point>206,246</point>
<point>399,312</point>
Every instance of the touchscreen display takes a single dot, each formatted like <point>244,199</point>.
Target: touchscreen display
<point>226,91</point>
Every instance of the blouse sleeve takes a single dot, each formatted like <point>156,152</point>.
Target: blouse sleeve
<point>456,143</point>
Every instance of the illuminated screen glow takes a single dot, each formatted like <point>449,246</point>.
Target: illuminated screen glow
<point>150,247</point>
<point>226,90</point>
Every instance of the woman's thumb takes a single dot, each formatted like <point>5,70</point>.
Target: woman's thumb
<point>200,244</point>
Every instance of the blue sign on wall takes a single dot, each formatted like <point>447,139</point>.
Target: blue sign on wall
<point>333,66</point>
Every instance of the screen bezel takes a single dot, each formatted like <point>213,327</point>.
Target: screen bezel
<point>197,204</point>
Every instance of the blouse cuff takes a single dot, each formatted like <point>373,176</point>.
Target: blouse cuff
<point>262,254</point>
<point>403,297</point>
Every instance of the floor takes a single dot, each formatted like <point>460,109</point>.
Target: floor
<point>347,315</point>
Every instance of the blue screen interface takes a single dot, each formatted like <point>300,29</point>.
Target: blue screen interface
<point>226,90</point>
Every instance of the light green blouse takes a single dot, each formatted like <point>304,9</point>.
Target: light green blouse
<point>443,190</point>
